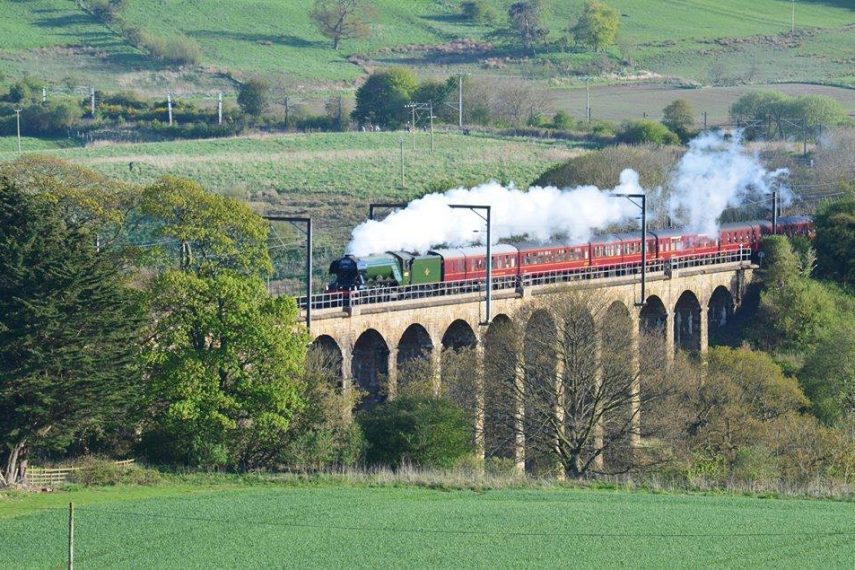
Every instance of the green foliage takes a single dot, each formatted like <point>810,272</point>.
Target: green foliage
<point>101,472</point>
<point>253,96</point>
<point>223,367</point>
<point>563,121</point>
<point>426,432</point>
<point>679,117</point>
<point>828,376</point>
<point>478,12</point>
<point>381,99</point>
<point>775,113</point>
<point>27,90</point>
<point>794,310</point>
<point>178,49</point>
<point>218,233</point>
<point>835,240</point>
<point>340,20</point>
<point>525,19</point>
<point>646,131</point>
<point>597,27</point>
<point>69,327</point>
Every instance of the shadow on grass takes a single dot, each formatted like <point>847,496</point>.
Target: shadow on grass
<point>276,39</point>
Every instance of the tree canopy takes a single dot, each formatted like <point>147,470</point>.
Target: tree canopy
<point>525,19</point>
<point>679,116</point>
<point>381,99</point>
<point>341,19</point>
<point>253,96</point>
<point>597,27</point>
<point>835,240</point>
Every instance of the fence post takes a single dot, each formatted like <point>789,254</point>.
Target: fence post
<point>70,536</point>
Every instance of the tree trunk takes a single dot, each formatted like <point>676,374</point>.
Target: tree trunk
<point>12,473</point>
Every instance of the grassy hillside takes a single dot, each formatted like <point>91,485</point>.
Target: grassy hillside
<point>333,526</point>
<point>55,40</point>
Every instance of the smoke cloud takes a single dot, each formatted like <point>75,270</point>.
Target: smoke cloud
<point>714,174</point>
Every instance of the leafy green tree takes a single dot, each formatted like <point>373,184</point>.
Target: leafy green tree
<point>597,27</point>
<point>773,113</point>
<point>225,359</point>
<point>425,432</point>
<point>835,240</point>
<point>70,329</point>
<point>436,92</point>
<point>562,120</point>
<point>381,99</point>
<point>829,376</point>
<point>679,117</point>
<point>526,22</point>
<point>342,19</point>
<point>253,96</point>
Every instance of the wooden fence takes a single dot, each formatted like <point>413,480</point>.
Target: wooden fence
<point>53,477</point>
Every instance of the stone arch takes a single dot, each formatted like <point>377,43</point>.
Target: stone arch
<point>687,322</point>
<point>370,366</point>
<point>501,348</point>
<point>413,360</point>
<point>326,354</point>
<point>460,365</point>
<point>653,319</point>
<point>720,310</point>
<point>653,334</point>
<point>540,359</point>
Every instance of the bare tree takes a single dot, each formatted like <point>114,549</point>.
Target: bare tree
<point>341,19</point>
<point>578,377</point>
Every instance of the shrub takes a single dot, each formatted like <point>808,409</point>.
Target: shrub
<point>98,472</point>
<point>25,91</point>
<point>177,49</point>
<point>835,240</point>
<point>679,117</point>
<point>253,95</point>
<point>425,432</point>
<point>645,131</point>
<point>381,99</point>
<point>562,120</point>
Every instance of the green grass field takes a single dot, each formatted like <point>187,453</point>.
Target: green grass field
<point>56,41</point>
<point>369,527</point>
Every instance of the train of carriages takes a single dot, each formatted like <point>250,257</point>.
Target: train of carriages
<point>515,261</point>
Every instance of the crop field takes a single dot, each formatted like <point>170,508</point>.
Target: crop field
<point>353,526</point>
<point>56,41</point>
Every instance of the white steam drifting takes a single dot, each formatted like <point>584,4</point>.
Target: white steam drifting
<point>714,174</point>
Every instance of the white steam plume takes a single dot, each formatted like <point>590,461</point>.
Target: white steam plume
<point>539,213</point>
<point>714,174</point>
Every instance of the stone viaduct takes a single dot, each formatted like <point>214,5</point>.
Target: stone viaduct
<point>371,342</point>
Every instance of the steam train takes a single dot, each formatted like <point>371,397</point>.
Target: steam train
<point>514,261</point>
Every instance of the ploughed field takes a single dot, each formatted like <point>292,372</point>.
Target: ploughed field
<point>358,526</point>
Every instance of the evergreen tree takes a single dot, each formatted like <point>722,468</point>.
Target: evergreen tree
<point>69,330</point>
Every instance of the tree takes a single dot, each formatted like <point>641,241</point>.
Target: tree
<point>563,121</point>
<point>777,114</point>
<point>341,19</point>
<point>225,359</point>
<point>70,329</point>
<point>381,99</point>
<point>525,20</point>
<point>679,117</point>
<point>829,376</point>
<point>578,380</point>
<point>597,27</point>
<point>478,12</point>
<point>253,96</point>
<point>835,240</point>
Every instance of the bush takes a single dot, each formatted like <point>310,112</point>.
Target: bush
<point>602,168</point>
<point>835,240</point>
<point>25,91</point>
<point>425,432</point>
<point>645,131</point>
<point>177,49</point>
<point>381,99</point>
<point>478,12</point>
<point>52,119</point>
<point>679,117</point>
<point>98,472</point>
<point>563,121</point>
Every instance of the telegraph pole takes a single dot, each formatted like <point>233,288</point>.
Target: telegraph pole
<point>588,99</point>
<point>92,101</point>
<point>220,108</point>
<point>431,126</point>
<point>18,116</point>
<point>169,107</point>
<point>403,184</point>
<point>793,28</point>
<point>44,95</point>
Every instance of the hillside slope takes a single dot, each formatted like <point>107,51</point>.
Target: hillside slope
<point>57,41</point>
